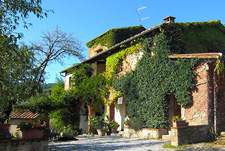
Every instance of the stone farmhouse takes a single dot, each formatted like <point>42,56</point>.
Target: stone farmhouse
<point>204,41</point>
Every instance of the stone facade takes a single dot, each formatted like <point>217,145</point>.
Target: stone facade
<point>24,145</point>
<point>145,133</point>
<point>189,134</point>
<point>96,50</point>
<point>207,96</point>
<point>197,113</point>
<point>201,110</point>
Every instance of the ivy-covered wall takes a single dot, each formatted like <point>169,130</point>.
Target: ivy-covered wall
<point>114,36</point>
<point>156,76</point>
<point>195,37</point>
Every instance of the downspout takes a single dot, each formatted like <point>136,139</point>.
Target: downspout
<point>214,93</point>
<point>214,97</point>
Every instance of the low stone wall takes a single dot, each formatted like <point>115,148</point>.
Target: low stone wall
<point>189,134</point>
<point>24,145</point>
<point>145,133</point>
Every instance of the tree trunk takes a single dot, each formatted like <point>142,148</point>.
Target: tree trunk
<point>7,112</point>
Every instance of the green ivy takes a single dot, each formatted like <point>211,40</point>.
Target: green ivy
<point>113,61</point>
<point>114,36</point>
<point>156,76</point>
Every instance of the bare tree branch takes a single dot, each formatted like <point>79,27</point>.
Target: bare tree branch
<point>55,46</point>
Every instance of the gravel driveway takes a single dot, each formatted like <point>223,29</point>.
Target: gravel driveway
<point>108,143</point>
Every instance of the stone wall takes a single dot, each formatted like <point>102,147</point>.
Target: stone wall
<point>145,133</point>
<point>197,112</point>
<point>24,145</point>
<point>189,134</point>
<point>220,101</point>
<point>96,50</point>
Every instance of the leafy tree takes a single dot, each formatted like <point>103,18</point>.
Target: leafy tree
<point>22,68</point>
<point>17,67</point>
<point>17,76</point>
<point>90,88</point>
<point>12,11</point>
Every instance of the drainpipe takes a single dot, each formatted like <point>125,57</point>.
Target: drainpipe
<point>214,97</point>
<point>214,92</point>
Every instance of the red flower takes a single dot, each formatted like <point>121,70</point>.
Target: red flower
<point>107,124</point>
<point>30,120</point>
<point>37,125</point>
<point>19,123</point>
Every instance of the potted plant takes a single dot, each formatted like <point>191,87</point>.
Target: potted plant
<point>32,129</point>
<point>98,123</point>
<point>126,123</point>
<point>113,126</point>
<point>178,121</point>
<point>92,130</point>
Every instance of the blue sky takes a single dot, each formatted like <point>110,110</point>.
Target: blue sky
<point>87,19</point>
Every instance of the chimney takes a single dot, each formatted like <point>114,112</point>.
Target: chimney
<point>169,19</point>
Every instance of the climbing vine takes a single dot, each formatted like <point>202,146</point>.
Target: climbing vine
<point>113,61</point>
<point>114,36</point>
<point>156,76</point>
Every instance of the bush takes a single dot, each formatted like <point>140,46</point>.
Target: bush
<point>69,131</point>
<point>135,123</point>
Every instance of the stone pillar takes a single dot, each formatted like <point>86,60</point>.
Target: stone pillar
<point>178,136</point>
<point>110,111</point>
<point>91,111</point>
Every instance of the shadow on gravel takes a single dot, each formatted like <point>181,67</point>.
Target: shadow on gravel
<point>100,144</point>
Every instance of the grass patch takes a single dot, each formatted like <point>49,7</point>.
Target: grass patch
<point>212,143</point>
<point>168,145</point>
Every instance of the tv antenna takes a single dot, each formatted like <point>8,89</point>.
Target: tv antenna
<point>138,14</point>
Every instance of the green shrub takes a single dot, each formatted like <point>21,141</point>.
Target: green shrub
<point>69,131</point>
<point>135,123</point>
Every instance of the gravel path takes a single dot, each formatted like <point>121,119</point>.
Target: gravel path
<point>115,143</point>
<point>108,143</point>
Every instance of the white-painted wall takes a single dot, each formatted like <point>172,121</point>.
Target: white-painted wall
<point>120,112</point>
<point>67,80</point>
<point>83,119</point>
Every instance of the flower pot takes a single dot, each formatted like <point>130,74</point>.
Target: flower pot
<point>126,125</point>
<point>114,130</point>
<point>4,128</point>
<point>33,133</point>
<point>101,132</point>
<point>179,123</point>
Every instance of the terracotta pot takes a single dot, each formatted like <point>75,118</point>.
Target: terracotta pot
<point>126,125</point>
<point>114,130</point>
<point>4,128</point>
<point>101,132</point>
<point>33,133</point>
<point>179,123</point>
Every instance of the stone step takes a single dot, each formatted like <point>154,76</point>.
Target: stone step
<point>166,137</point>
<point>170,134</point>
<point>220,142</point>
<point>121,132</point>
<point>222,133</point>
<point>221,137</point>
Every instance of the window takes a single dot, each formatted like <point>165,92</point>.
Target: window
<point>98,51</point>
<point>120,67</point>
<point>70,81</point>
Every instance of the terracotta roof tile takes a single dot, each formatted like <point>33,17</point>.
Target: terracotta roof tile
<point>23,115</point>
<point>211,55</point>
